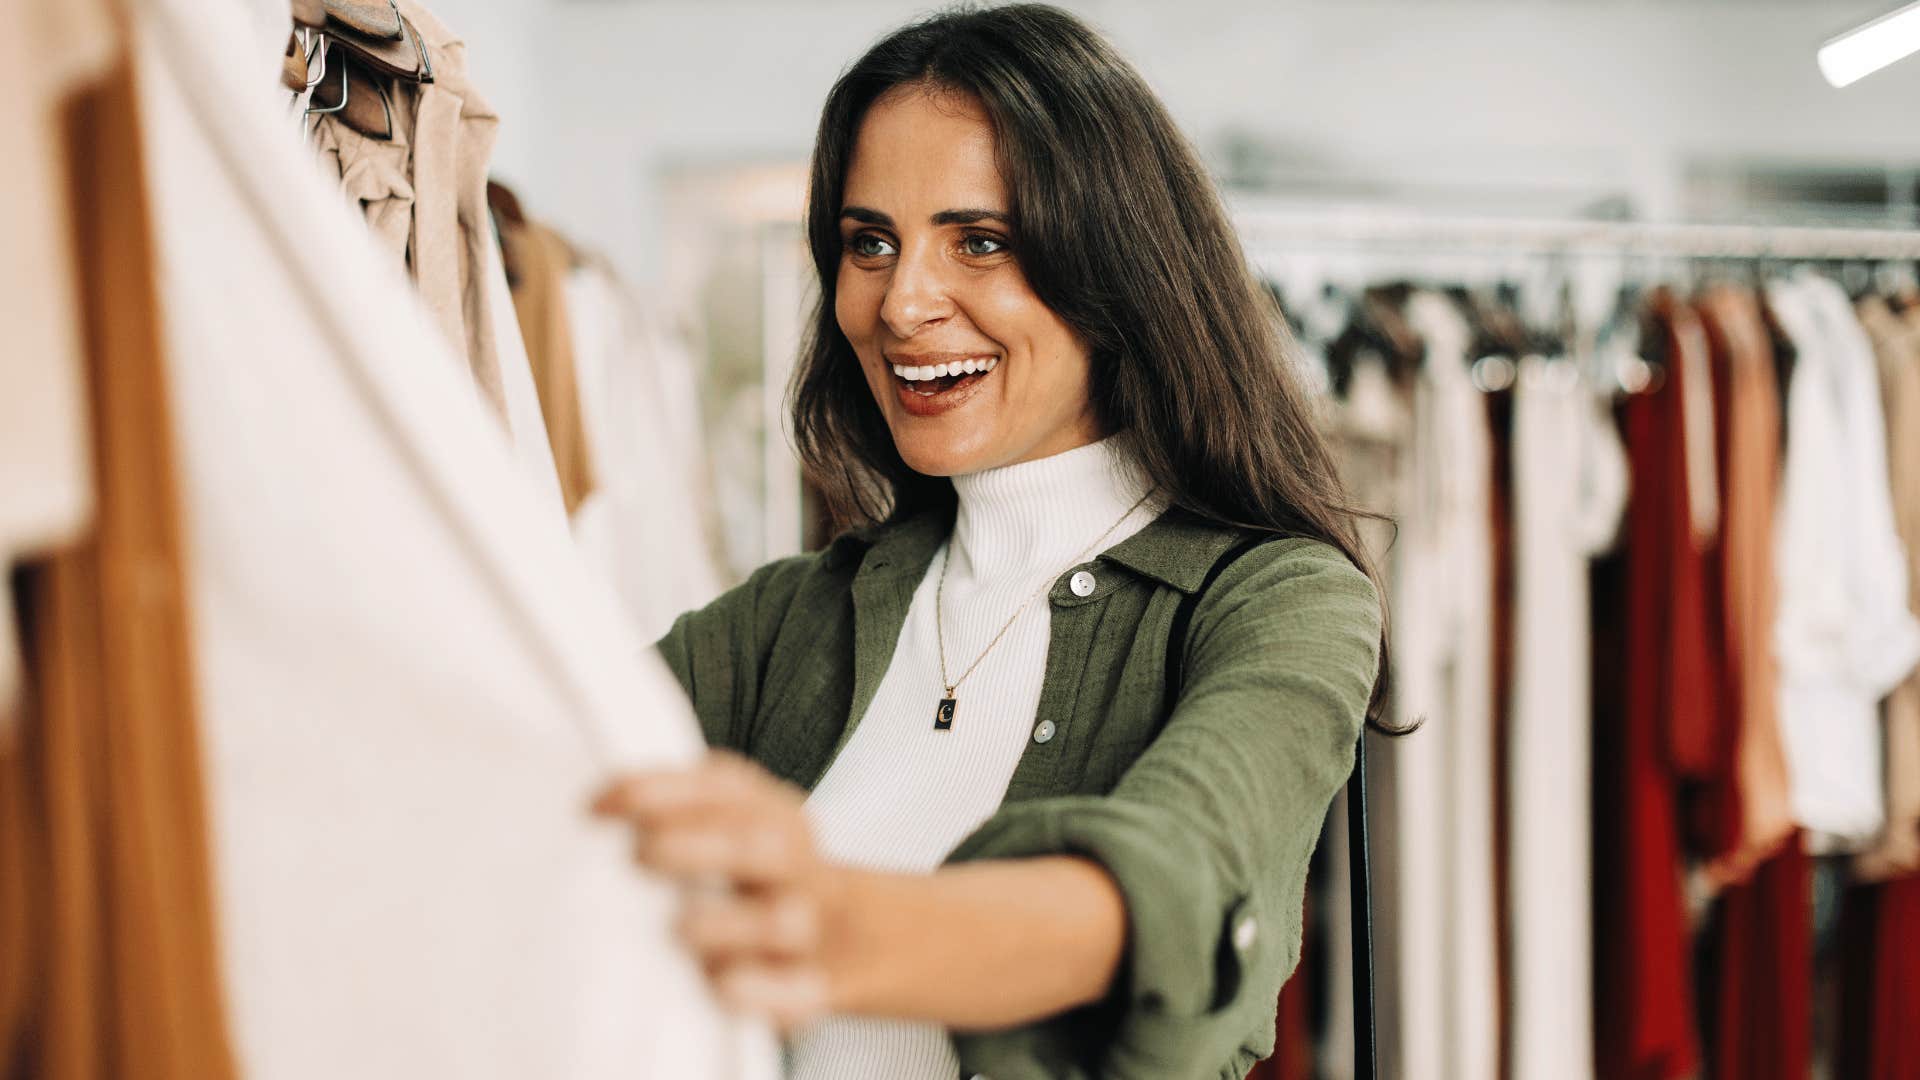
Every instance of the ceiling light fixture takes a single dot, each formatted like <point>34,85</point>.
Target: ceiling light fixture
<point>1866,49</point>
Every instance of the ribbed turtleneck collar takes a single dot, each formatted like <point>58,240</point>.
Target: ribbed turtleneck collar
<point>1042,514</point>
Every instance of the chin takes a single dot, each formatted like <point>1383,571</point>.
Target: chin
<point>930,454</point>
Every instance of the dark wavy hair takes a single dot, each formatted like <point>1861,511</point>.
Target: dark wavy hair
<point>1120,231</point>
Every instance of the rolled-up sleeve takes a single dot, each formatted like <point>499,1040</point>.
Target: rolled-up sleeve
<point>1208,834</point>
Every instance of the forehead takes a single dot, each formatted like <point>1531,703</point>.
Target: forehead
<point>922,149</point>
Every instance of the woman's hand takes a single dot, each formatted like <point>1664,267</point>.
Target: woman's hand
<point>786,935</point>
<point>760,909</point>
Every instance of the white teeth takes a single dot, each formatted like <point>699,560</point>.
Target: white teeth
<point>941,371</point>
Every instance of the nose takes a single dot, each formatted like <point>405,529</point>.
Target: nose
<point>916,294</point>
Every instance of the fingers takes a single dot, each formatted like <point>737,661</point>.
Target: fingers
<point>726,818</point>
<point>720,781</point>
<point>726,822</point>
<point>728,927</point>
<point>746,849</point>
<point>762,953</point>
<point>787,995</point>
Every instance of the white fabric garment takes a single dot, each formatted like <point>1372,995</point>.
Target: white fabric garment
<point>645,524</point>
<point>1569,490</point>
<point>410,685</point>
<point>1844,635</point>
<point>901,795</point>
<point>1443,672</point>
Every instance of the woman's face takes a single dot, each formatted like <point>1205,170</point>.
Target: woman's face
<point>969,368</point>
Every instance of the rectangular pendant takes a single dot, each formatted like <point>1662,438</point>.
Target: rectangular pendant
<point>943,716</point>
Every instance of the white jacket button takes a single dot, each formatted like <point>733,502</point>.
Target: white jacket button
<point>1244,933</point>
<point>1081,583</point>
<point>1044,731</point>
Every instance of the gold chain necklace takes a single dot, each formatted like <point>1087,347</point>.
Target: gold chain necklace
<point>943,713</point>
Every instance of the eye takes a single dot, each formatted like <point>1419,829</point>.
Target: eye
<point>980,244</point>
<point>870,246</point>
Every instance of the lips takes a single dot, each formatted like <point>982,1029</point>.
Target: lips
<point>929,388</point>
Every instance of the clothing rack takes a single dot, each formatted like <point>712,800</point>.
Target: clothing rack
<point>1276,231</point>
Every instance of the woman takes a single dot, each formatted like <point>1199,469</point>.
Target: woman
<point>1041,373</point>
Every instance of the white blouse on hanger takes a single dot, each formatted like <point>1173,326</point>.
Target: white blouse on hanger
<point>410,686</point>
<point>1844,635</point>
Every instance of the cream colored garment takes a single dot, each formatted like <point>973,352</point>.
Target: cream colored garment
<point>649,523</point>
<point>376,175</point>
<point>411,685</point>
<point>46,492</point>
<point>1897,348</point>
<point>425,193</point>
<point>453,135</point>
<point>1443,653</point>
<point>1368,430</point>
<point>1845,636</point>
<point>1569,490</point>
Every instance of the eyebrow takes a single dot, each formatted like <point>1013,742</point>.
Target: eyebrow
<point>867,216</point>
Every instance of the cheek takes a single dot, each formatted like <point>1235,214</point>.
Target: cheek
<point>1013,316</point>
<point>856,305</point>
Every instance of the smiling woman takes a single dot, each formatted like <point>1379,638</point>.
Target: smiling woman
<point>1039,371</point>
<point>932,299</point>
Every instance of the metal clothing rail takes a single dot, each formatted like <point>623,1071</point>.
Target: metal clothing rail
<point>1267,232</point>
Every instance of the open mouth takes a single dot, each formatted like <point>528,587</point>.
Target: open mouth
<point>933,388</point>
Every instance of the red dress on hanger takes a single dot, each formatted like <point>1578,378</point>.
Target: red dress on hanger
<point>1655,727</point>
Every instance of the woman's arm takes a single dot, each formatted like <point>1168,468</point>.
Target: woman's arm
<point>990,945</point>
<point>987,945</point>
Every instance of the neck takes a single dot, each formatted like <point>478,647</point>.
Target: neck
<point>1044,512</point>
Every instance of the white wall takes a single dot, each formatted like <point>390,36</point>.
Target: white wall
<point>599,96</point>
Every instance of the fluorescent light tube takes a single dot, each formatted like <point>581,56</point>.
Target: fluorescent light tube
<point>1866,49</point>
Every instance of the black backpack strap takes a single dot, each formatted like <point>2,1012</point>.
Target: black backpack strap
<point>1177,636</point>
<point>1360,897</point>
<point>1360,879</point>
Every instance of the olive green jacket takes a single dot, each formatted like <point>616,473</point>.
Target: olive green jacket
<point>1205,810</point>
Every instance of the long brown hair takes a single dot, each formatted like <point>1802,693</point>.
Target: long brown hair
<point>1120,231</point>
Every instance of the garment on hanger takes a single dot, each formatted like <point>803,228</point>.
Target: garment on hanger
<point>45,487</point>
<point>538,264</point>
<point>650,524</point>
<point>1570,488</point>
<point>411,686</point>
<point>1879,951</point>
<point>1896,344</point>
<point>1845,636</point>
<point>424,190</point>
<point>1757,956</point>
<point>1761,974</point>
<point>1368,427</point>
<point>1752,804</point>
<point>1655,686</point>
<point>106,920</point>
<point>1445,937</point>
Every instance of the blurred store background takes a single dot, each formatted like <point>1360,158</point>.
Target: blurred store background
<point>674,135</point>
<point>1614,309</point>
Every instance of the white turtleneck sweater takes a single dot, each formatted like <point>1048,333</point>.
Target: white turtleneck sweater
<point>902,795</point>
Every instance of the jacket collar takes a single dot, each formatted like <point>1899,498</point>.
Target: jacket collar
<point>1176,549</point>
